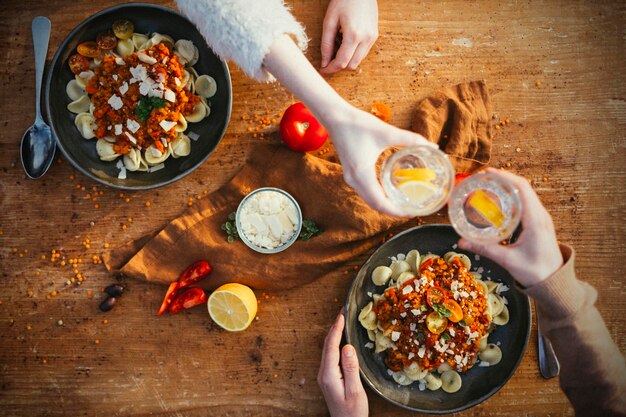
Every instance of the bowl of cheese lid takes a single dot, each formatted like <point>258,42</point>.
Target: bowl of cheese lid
<point>268,220</point>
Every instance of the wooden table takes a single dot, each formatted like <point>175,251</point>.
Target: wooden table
<point>554,68</point>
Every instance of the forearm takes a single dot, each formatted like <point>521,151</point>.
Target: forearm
<point>294,71</point>
<point>593,373</point>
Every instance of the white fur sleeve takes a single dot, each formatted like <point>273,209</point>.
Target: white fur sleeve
<point>243,30</point>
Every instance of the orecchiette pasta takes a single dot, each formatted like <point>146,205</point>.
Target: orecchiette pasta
<point>206,86</point>
<point>381,275</point>
<point>181,146</point>
<point>80,105</point>
<point>147,72</point>
<point>401,315</point>
<point>85,123</point>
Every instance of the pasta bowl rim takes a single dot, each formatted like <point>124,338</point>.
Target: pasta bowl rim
<point>357,285</point>
<point>50,102</point>
<point>259,249</point>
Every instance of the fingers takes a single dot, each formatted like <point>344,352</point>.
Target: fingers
<point>492,251</point>
<point>329,375</point>
<point>371,192</point>
<point>359,54</point>
<point>350,367</point>
<point>408,138</point>
<point>330,354</point>
<point>533,212</point>
<point>344,55</point>
<point>329,33</point>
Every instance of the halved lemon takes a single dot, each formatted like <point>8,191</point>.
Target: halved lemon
<point>232,307</point>
<point>487,208</point>
<point>414,174</point>
<point>418,192</point>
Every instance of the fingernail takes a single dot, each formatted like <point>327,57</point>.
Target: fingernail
<point>349,351</point>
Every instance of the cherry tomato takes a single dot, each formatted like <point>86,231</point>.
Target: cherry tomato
<point>427,263</point>
<point>106,40</point>
<point>194,273</point>
<point>300,130</point>
<point>89,49</point>
<point>169,296</point>
<point>78,63</point>
<point>460,177</point>
<point>123,29</point>
<point>435,295</point>
<point>190,297</point>
<point>455,309</point>
<point>435,323</point>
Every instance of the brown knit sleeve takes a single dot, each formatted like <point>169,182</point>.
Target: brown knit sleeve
<point>593,371</point>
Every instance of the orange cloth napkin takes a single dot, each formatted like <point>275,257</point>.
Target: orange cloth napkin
<point>459,119</point>
<point>351,227</point>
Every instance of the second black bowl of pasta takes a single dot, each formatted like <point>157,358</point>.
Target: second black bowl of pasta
<point>136,98</point>
<point>436,330</point>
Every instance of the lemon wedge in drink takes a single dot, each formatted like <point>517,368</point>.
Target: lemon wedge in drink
<point>418,192</point>
<point>232,307</point>
<point>483,204</point>
<point>414,174</point>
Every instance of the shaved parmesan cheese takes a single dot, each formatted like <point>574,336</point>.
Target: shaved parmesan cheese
<point>193,136</point>
<point>119,61</point>
<point>115,102</point>
<point>395,336</point>
<point>122,173</point>
<point>124,88</point>
<point>167,126</point>
<point>132,125</point>
<point>118,129</point>
<point>169,95</point>
<point>146,58</point>
<point>131,138</point>
<point>156,167</point>
<point>115,77</point>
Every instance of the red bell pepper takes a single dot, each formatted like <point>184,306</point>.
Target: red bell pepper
<point>194,273</point>
<point>188,298</point>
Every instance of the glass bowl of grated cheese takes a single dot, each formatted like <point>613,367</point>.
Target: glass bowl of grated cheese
<point>269,220</point>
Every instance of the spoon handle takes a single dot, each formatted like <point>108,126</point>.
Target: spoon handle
<point>41,38</point>
<point>549,366</point>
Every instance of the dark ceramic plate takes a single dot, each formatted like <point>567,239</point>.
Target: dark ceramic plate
<point>81,153</point>
<point>478,383</point>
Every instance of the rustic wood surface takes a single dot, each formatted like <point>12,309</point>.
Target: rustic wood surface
<point>554,68</point>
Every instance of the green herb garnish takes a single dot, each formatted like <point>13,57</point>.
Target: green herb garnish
<point>420,336</point>
<point>309,230</point>
<point>230,227</point>
<point>443,312</point>
<point>463,323</point>
<point>446,336</point>
<point>145,106</point>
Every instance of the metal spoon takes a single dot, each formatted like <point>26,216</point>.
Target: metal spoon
<point>37,149</point>
<point>549,366</point>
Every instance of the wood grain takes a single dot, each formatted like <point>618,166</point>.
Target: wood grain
<point>555,68</point>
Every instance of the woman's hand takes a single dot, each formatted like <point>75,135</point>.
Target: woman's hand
<point>341,386</point>
<point>357,20</point>
<point>536,254</point>
<point>360,138</point>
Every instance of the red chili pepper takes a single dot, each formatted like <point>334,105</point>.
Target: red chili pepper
<point>194,273</point>
<point>190,297</point>
<point>169,296</point>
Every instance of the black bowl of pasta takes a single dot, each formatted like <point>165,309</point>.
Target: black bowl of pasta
<point>436,329</point>
<point>135,97</point>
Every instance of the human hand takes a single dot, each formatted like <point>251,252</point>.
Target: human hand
<point>344,394</point>
<point>536,254</point>
<point>360,138</point>
<point>358,22</point>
